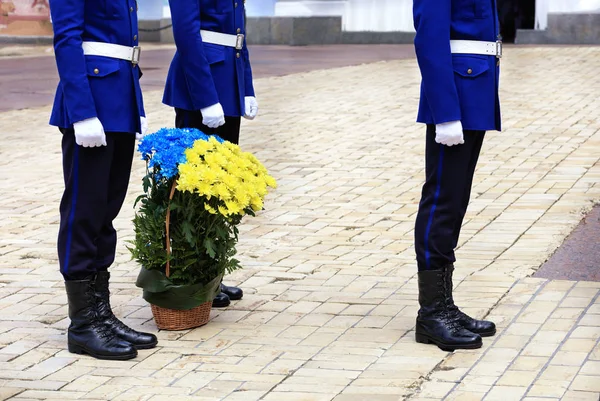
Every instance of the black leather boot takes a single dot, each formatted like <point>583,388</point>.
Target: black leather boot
<point>221,300</point>
<point>106,315</point>
<point>482,327</point>
<point>234,293</point>
<point>87,334</point>
<point>434,323</point>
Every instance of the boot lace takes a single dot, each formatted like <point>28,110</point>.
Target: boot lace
<point>111,319</point>
<point>100,327</point>
<point>448,315</point>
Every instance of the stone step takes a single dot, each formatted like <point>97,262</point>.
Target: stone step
<point>565,28</point>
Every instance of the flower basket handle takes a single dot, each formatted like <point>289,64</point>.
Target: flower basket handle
<point>167,224</point>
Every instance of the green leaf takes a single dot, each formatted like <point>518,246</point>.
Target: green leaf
<point>209,244</point>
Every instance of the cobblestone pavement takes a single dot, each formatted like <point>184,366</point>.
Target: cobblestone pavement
<point>330,274</point>
<point>29,80</point>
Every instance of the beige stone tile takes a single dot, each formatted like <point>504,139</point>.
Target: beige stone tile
<point>366,397</point>
<point>104,392</point>
<point>567,313</point>
<point>49,395</point>
<point>529,363</point>
<point>578,345</point>
<point>512,342</point>
<point>586,332</point>
<point>499,355</point>
<point>314,319</point>
<point>196,380</point>
<point>575,302</point>
<point>590,320</point>
<point>275,306</point>
<point>451,375</point>
<point>548,389</point>
<point>465,396</point>
<point>584,290</point>
<point>540,350</point>
<point>8,392</point>
<point>480,380</point>
<point>537,399</point>
<point>461,359</point>
<point>35,384</point>
<point>436,390</point>
<point>374,321</point>
<point>517,378</point>
<point>523,329</point>
<point>358,310</point>
<point>569,358</point>
<point>558,325</point>
<point>503,393</point>
<point>591,368</point>
<point>303,307</point>
<point>586,383</point>
<point>580,396</point>
<point>559,373</point>
<point>330,308</point>
<point>550,336</point>
<point>282,366</point>
<point>246,395</point>
<point>345,322</point>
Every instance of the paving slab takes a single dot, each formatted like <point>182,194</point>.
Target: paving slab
<point>330,276</point>
<point>28,76</point>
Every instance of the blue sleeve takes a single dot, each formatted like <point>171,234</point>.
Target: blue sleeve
<point>432,20</point>
<point>249,89</point>
<point>68,21</point>
<point>185,17</point>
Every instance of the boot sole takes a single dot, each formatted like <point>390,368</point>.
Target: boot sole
<point>425,339</point>
<point>487,333</point>
<point>145,346</point>
<point>76,349</point>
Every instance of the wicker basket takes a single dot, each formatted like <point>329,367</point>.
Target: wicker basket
<point>172,319</point>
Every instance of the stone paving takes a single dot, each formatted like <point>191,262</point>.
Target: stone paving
<point>329,266</point>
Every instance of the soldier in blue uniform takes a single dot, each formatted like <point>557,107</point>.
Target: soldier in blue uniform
<point>99,111</point>
<point>458,52</point>
<point>210,79</point>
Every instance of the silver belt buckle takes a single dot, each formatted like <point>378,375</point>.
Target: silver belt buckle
<point>135,55</point>
<point>239,41</point>
<point>499,49</point>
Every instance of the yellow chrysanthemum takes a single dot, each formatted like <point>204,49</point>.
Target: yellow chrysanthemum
<point>256,204</point>
<point>222,171</point>
<point>270,181</point>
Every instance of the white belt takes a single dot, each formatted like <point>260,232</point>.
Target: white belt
<point>476,47</point>
<point>223,39</point>
<point>113,51</point>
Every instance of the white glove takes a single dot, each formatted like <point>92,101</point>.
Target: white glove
<point>250,107</point>
<point>450,133</point>
<point>143,128</point>
<point>213,116</point>
<point>89,133</point>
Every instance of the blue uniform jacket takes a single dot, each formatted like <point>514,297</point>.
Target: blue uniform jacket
<point>202,74</point>
<point>94,86</point>
<point>457,86</point>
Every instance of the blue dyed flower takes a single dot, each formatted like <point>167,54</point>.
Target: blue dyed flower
<point>165,149</point>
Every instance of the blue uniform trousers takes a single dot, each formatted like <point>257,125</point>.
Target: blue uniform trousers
<point>96,181</point>
<point>230,131</point>
<point>445,196</point>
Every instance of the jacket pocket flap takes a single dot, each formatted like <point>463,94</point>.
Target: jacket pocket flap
<point>470,66</point>
<point>214,53</point>
<point>98,66</point>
